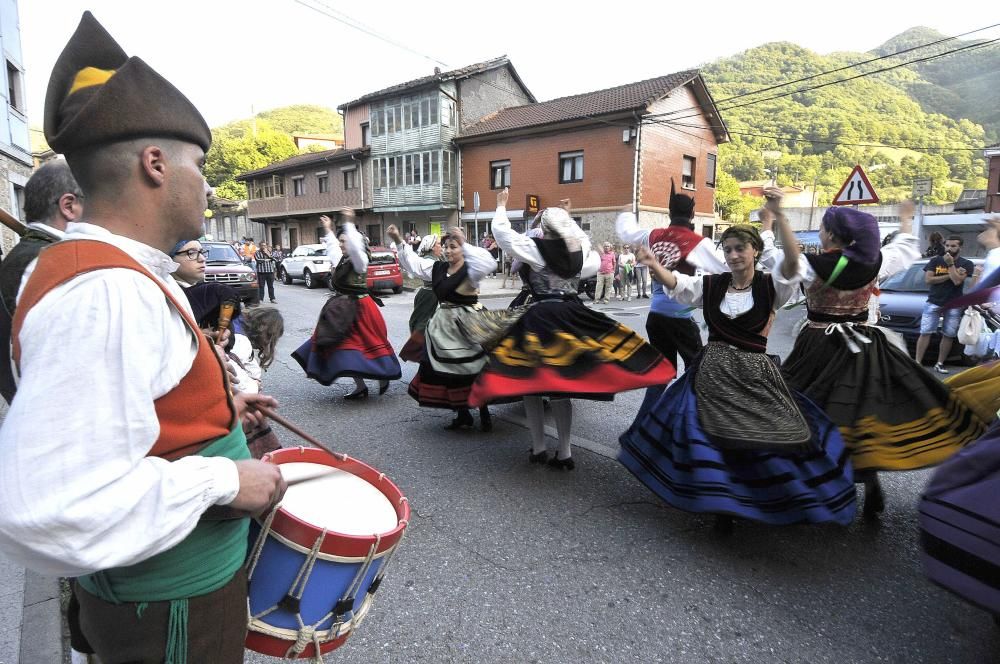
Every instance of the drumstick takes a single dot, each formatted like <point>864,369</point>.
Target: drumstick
<point>225,512</point>
<point>267,412</point>
<point>12,223</point>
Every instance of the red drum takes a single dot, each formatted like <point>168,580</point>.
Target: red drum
<point>319,557</point>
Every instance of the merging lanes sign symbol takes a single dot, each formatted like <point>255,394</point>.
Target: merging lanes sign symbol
<point>857,190</point>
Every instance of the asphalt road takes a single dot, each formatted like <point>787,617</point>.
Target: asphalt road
<point>510,562</point>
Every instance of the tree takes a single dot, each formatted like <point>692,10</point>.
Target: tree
<point>732,204</point>
<point>237,148</point>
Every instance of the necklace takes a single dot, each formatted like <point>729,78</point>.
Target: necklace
<point>741,288</point>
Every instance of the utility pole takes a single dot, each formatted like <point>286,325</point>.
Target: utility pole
<point>812,207</point>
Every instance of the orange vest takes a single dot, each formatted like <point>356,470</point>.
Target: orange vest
<point>199,409</point>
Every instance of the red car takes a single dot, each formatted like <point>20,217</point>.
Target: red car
<point>383,271</point>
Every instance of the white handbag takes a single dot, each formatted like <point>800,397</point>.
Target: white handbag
<point>971,327</point>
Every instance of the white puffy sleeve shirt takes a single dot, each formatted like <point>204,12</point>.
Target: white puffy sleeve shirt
<point>77,492</point>
<point>690,290</point>
<point>355,249</point>
<point>524,249</point>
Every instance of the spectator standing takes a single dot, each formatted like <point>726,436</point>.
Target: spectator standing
<point>605,274</point>
<point>946,276</point>
<point>936,246</point>
<point>265,272</point>
<point>626,262</point>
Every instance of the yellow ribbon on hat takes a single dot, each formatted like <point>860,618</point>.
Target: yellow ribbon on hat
<point>88,77</point>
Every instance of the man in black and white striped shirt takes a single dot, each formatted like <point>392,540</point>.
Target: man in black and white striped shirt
<point>265,271</point>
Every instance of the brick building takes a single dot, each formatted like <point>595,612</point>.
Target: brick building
<point>289,196</point>
<point>604,150</point>
<point>992,153</point>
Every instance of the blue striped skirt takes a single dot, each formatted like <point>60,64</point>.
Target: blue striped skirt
<point>668,450</point>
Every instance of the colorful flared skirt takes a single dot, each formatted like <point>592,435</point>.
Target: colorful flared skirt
<point>979,389</point>
<point>364,353</point>
<point>669,451</point>
<point>560,348</point>
<point>424,305</point>
<point>449,362</point>
<point>960,523</point>
<point>892,413</point>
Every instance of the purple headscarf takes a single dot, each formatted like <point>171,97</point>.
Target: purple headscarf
<point>858,230</point>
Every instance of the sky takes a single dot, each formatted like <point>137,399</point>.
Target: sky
<point>231,56</point>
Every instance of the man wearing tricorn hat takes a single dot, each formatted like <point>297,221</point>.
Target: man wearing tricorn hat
<point>143,436</point>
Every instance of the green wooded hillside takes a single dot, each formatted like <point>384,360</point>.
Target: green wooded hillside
<point>886,109</point>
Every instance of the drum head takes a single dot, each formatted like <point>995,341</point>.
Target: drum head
<point>338,501</point>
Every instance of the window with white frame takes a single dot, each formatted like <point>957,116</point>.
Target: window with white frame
<point>15,90</point>
<point>571,166</point>
<point>687,172</point>
<point>298,186</point>
<point>447,113</point>
<point>377,119</point>
<point>392,121</point>
<point>366,134</point>
<point>323,180</point>
<point>351,179</point>
<point>500,174</point>
<point>710,170</point>
<point>447,166</point>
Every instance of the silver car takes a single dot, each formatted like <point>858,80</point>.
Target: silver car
<point>307,262</point>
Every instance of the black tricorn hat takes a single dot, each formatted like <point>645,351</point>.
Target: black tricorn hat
<point>98,95</point>
<point>681,205</point>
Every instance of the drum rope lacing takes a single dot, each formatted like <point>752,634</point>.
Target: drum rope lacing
<point>308,634</point>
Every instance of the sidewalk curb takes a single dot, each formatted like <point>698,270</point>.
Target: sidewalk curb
<point>42,621</point>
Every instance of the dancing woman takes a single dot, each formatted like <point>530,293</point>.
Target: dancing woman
<point>892,414</point>
<point>424,302</point>
<point>558,347</point>
<point>729,437</point>
<point>350,339</point>
<point>449,361</point>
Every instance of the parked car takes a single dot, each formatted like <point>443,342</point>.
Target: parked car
<point>383,271</point>
<point>225,266</point>
<point>901,305</point>
<point>307,262</point>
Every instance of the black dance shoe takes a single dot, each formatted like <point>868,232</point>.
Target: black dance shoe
<point>357,395</point>
<point>383,386</point>
<point>541,457</point>
<point>562,464</point>
<point>464,419</point>
<point>874,499</point>
<point>485,419</point>
<point>724,524</point>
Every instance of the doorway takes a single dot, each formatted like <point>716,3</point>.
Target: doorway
<point>293,238</point>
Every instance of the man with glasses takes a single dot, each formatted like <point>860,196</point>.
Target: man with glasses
<point>52,199</point>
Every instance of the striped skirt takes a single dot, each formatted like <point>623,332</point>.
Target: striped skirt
<point>960,523</point>
<point>364,353</point>
<point>450,363</point>
<point>892,413</point>
<point>668,449</point>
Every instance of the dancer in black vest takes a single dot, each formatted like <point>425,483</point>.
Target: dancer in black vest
<point>350,339</point>
<point>729,437</point>
<point>449,362</point>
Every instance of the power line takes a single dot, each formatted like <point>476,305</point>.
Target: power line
<point>840,80</point>
<point>923,148</point>
<point>330,12</point>
<point>839,69</point>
